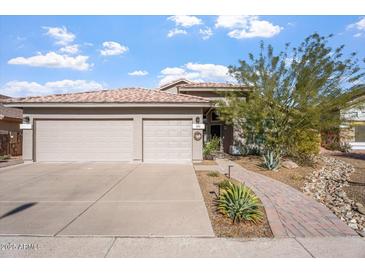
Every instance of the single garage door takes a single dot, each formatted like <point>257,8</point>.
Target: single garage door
<point>84,140</point>
<point>167,140</point>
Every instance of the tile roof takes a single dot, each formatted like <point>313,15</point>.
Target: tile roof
<point>4,97</point>
<point>11,112</point>
<point>123,95</point>
<point>210,85</point>
<point>175,82</point>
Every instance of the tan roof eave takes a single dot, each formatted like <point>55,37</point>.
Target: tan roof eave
<point>10,119</point>
<point>103,105</point>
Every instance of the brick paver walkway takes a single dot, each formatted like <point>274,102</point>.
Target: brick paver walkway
<point>289,212</point>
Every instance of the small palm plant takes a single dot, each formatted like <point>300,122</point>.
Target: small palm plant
<point>239,203</point>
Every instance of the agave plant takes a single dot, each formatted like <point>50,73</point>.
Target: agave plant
<point>239,203</point>
<point>272,159</point>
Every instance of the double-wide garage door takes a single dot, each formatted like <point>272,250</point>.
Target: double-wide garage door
<point>112,140</point>
<point>84,140</point>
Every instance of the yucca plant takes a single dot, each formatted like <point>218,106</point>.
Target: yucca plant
<point>239,203</point>
<point>271,159</point>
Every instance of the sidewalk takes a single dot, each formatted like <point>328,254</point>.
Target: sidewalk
<point>181,247</point>
<point>290,213</point>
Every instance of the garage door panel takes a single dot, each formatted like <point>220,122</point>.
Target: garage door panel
<point>84,140</point>
<point>167,140</point>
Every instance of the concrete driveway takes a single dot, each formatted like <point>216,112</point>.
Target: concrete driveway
<point>104,199</point>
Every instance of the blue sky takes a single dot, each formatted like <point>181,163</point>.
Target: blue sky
<point>55,54</point>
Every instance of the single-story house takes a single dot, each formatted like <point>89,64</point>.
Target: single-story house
<point>353,130</point>
<point>167,124</point>
<point>10,133</point>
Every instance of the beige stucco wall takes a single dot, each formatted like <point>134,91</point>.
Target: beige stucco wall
<point>137,114</point>
<point>172,89</point>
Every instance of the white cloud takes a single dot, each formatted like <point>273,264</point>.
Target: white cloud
<point>24,88</point>
<point>206,33</point>
<point>359,26</point>
<point>173,71</point>
<point>111,48</point>
<point>53,60</point>
<point>244,26</point>
<point>61,35</point>
<point>196,72</point>
<point>185,21</point>
<point>71,49</point>
<point>138,73</point>
<point>230,22</point>
<point>175,31</point>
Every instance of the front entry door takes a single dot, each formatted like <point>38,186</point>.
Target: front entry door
<point>216,131</point>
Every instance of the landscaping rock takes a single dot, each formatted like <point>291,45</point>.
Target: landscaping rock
<point>289,164</point>
<point>360,208</point>
<point>326,186</point>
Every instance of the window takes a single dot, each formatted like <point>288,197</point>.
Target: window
<point>360,133</point>
<point>215,117</point>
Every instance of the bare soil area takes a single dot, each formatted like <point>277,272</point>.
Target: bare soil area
<point>293,177</point>
<point>222,225</point>
<point>206,162</point>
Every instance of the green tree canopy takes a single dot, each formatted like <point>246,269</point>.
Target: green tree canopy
<point>292,94</point>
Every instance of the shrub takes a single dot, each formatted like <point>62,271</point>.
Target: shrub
<point>224,184</point>
<point>345,147</point>
<point>306,146</point>
<point>211,146</point>
<point>213,174</point>
<point>272,159</point>
<point>250,149</point>
<point>239,203</point>
<point>4,157</point>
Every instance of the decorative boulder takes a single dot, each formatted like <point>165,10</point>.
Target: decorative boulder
<point>360,208</point>
<point>289,164</point>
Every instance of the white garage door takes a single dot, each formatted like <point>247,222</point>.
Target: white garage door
<point>84,140</point>
<point>167,140</point>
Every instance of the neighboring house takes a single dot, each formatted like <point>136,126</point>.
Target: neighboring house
<point>128,124</point>
<point>353,130</point>
<point>10,133</point>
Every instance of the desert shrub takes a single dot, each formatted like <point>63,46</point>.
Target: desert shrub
<point>250,149</point>
<point>224,184</point>
<point>305,146</point>
<point>239,203</point>
<point>272,159</point>
<point>211,146</point>
<point>344,147</point>
<point>4,157</point>
<point>213,174</point>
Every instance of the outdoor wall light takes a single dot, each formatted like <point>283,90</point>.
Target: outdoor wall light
<point>26,120</point>
<point>197,120</point>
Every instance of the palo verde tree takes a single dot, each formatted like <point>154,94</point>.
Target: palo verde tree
<point>292,95</point>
